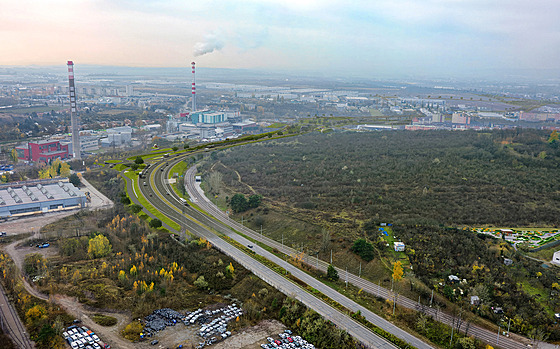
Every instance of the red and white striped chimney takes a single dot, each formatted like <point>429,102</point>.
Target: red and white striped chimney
<point>193,88</point>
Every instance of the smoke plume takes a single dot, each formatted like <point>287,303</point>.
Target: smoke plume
<point>211,43</point>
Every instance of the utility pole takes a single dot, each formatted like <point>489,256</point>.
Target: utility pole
<point>432,298</point>
<point>346,276</point>
<point>498,338</point>
<point>282,240</point>
<point>360,273</point>
<point>261,231</point>
<point>331,256</point>
<point>509,322</point>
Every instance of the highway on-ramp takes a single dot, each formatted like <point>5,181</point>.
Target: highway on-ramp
<point>160,195</point>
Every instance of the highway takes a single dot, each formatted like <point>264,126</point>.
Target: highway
<point>161,196</point>
<point>490,337</point>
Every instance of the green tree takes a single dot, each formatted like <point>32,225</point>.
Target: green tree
<point>363,249</point>
<point>332,274</point>
<point>254,201</point>
<point>175,148</point>
<point>75,180</point>
<point>155,223</point>
<point>139,160</point>
<point>135,208</point>
<point>238,203</point>
<point>99,247</point>
<point>201,283</point>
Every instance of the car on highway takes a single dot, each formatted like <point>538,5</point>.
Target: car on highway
<point>250,246</point>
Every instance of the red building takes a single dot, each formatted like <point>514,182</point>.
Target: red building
<point>43,151</point>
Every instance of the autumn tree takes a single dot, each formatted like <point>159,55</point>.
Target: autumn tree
<point>397,271</point>
<point>99,247</point>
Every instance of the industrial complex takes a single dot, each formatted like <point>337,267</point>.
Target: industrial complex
<point>39,196</point>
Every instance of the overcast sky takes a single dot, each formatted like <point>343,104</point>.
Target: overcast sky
<point>366,38</point>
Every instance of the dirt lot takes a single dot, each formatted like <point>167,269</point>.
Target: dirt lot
<point>249,338</point>
<point>252,337</point>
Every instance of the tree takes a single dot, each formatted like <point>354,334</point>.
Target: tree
<point>238,203</point>
<point>230,270</point>
<point>332,274</point>
<point>99,247</point>
<point>36,314</point>
<point>75,180</point>
<point>397,271</point>
<point>139,160</point>
<point>14,156</point>
<point>554,138</point>
<point>201,283</point>
<point>155,223</point>
<point>363,249</point>
<point>135,208</point>
<point>174,148</point>
<point>254,201</point>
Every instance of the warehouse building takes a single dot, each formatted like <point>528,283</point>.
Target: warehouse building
<point>42,196</point>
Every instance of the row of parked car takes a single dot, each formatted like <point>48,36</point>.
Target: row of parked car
<point>287,341</point>
<point>83,338</point>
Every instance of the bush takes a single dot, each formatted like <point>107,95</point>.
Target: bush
<point>363,249</point>
<point>104,320</point>
<point>155,223</point>
<point>332,274</point>
<point>138,160</point>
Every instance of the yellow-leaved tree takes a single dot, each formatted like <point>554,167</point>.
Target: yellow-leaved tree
<point>99,246</point>
<point>397,271</point>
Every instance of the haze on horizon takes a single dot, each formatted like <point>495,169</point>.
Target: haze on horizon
<point>384,38</point>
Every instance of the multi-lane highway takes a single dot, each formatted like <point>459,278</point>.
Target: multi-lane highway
<point>161,196</point>
<point>490,337</point>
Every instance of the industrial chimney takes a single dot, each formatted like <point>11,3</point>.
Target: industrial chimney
<point>74,113</point>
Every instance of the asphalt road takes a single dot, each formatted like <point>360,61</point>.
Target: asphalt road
<point>513,342</point>
<point>158,192</point>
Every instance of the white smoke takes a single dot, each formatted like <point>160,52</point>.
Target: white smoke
<point>211,43</point>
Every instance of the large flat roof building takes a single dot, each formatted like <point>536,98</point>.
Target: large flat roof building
<point>42,196</point>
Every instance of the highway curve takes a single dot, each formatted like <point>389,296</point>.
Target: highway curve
<point>161,196</point>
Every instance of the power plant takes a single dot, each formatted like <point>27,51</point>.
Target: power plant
<point>193,105</point>
<point>74,113</point>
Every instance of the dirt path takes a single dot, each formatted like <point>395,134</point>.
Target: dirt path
<point>238,177</point>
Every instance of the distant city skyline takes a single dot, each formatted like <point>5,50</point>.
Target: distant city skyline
<point>384,38</point>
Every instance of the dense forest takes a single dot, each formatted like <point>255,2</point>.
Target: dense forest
<point>500,178</point>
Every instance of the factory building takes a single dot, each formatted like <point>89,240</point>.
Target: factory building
<point>42,196</point>
<point>208,117</point>
<point>43,151</point>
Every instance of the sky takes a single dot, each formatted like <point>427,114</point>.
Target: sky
<point>369,38</point>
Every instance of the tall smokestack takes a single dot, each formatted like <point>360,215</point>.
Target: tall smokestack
<point>193,89</point>
<point>73,113</point>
